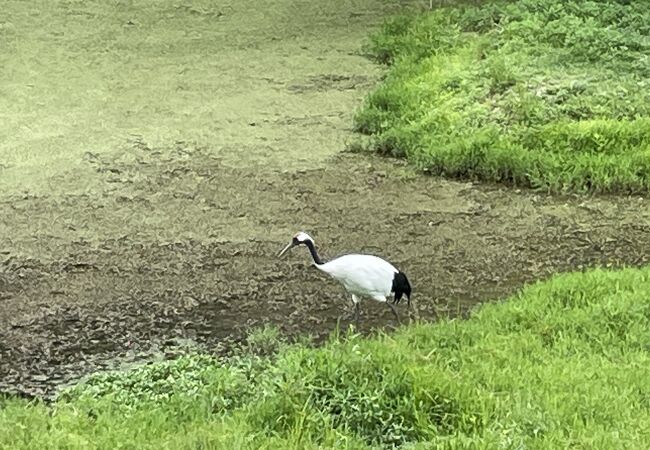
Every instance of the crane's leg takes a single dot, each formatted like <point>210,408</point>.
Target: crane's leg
<point>392,308</point>
<point>354,311</point>
<point>355,301</point>
<point>390,305</point>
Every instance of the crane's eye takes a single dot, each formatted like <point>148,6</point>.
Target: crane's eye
<point>295,241</point>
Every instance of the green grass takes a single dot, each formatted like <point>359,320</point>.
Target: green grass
<point>563,364</point>
<point>549,94</point>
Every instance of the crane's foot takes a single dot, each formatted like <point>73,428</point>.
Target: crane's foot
<point>352,315</point>
<point>348,315</point>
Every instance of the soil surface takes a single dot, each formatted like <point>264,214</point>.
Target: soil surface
<point>140,248</point>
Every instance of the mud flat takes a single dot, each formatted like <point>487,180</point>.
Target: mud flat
<point>161,226</point>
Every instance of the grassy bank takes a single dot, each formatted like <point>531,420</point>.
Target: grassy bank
<point>563,364</point>
<point>548,94</point>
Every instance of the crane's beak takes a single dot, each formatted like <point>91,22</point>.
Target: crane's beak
<point>286,249</point>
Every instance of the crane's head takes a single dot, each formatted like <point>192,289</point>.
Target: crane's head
<point>298,239</point>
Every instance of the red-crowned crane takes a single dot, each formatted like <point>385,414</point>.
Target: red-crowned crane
<point>361,275</point>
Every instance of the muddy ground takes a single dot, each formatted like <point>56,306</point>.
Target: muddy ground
<point>88,303</point>
<point>127,251</point>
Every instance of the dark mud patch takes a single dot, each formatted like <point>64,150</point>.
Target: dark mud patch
<point>171,245</point>
<point>327,82</point>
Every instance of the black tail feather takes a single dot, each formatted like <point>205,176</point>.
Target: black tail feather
<point>401,286</point>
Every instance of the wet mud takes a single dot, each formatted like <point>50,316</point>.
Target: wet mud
<point>98,287</point>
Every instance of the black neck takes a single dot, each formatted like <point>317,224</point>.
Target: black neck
<point>312,250</point>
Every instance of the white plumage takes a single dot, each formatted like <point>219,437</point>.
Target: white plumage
<point>361,275</point>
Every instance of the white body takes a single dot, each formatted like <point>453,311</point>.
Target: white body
<point>362,275</point>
